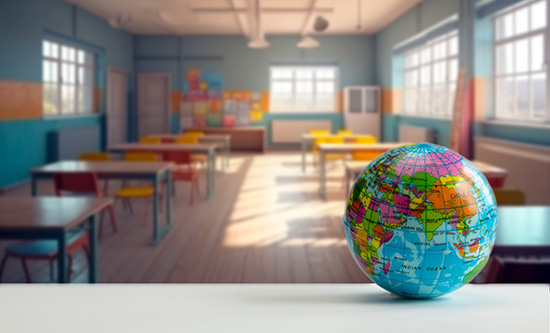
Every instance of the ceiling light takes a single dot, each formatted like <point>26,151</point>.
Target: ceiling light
<point>320,24</point>
<point>308,43</point>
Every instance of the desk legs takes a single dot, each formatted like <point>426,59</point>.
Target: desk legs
<point>227,153</point>
<point>304,144</point>
<point>322,176</point>
<point>92,241</point>
<point>168,194</point>
<point>34,186</point>
<point>210,174</point>
<point>62,258</point>
<point>158,234</point>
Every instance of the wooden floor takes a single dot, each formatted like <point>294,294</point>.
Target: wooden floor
<point>265,224</point>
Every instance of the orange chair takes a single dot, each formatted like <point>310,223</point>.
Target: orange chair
<point>194,133</point>
<point>192,140</point>
<point>365,155</point>
<point>183,171</point>
<point>92,156</point>
<point>148,139</point>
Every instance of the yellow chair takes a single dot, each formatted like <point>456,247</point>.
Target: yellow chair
<point>148,139</point>
<point>365,139</point>
<point>509,197</point>
<point>192,140</point>
<point>134,192</point>
<point>319,132</point>
<point>92,156</point>
<point>194,133</point>
<point>334,140</point>
<point>345,132</point>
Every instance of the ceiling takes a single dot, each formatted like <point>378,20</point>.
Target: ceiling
<point>215,17</point>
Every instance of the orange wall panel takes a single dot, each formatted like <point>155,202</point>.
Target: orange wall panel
<point>391,100</point>
<point>20,100</point>
<point>175,101</point>
<point>265,101</point>
<point>480,92</point>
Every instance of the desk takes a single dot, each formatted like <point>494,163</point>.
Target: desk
<point>346,148</point>
<point>308,139</point>
<point>200,148</point>
<point>53,218</point>
<point>523,230</point>
<point>223,140</point>
<point>496,174</point>
<point>246,138</point>
<point>151,171</point>
<point>271,308</point>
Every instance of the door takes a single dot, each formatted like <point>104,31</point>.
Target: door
<point>117,107</point>
<point>362,112</point>
<point>153,104</point>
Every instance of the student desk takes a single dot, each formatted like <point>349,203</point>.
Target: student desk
<point>496,174</point>
<point>308,139</point>
<point>200,148</point>
<point>347,148</point>
<point>523,230</point>
<point>267,308</point>
<point>53,218</point>
<point>152,171</point>
<point>243,138</point>
<point>223,140</point>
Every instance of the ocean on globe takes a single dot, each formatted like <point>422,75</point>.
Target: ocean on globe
<point>421,220</point>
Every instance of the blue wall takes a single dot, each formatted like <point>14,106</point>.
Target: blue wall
<point>23,143</point>
<point>243,68</point>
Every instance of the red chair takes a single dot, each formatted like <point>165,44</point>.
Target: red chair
<point>183,171</point>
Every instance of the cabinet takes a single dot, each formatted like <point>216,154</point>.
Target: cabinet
<point>362,111</point>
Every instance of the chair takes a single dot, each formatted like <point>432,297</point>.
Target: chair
<point>192,140</point>
<point>345,132</point>
<point>509,196</point>
<point>94,156</point>
<point>126,193</point>
<point>148,139</point>
<point>78,183</point>
<point>518,270</point>
<point>333,140</point>
<point>319,132</point>
<point>183,171</point>
<point>194,133</point>
<point>365,155</point>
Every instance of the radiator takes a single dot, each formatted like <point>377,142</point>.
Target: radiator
<point>290,131</point>
<point>528,166</point>
<point>67,144</point>
<point>409,133</point>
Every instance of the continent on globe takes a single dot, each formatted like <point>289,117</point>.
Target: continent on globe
<point>421,220</point>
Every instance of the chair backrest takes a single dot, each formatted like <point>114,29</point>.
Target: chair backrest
<point>364,155</point>
<point>345,132</point>
<point>187,139</point>
<point>167,140</point>
<point>519,270</point>
<point>319,132</point>
<point>178,157</point>
<point>194,133</point>
<point>334,140</point>
<point>76,183</point>
<point>94,156</point>
<point>509,196</point>
<point>365,139</point>
<point>140,157</point>
<point>148,139</point>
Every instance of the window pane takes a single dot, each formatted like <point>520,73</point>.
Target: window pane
<point>440,72</point>
<point>537,53</point>
<point>67,99</point>
<point>425,75</point>
<point>440,50</point>
<point>49,71</point>
<point>538,89</point>
<point>50,99</point>
<point>68,74</point>
<point>504,26</point>
<point>522,21</point>
<point>280,73</point>
<point>522,96</point>
<point>302,74</point>
<point>453,46</point>
<point>505,97</point>
<point>325,74</point>
<point>81,56</point>
<point>85,76</point>
<point>425,55</point>
<point>324,88</point>
<point>522,56</point>
<point>67,53</point>
<point>538,15</point>
<point>411,78</point>
<point>505,58</point>
<point>453,70</point>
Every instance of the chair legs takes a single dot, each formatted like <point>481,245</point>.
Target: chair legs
<point>3,265</point>
<point>26,270</point>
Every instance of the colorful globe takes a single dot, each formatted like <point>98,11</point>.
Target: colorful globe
<point>421,221</point>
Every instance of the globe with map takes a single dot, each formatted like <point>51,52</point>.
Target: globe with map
<point>421,220</point>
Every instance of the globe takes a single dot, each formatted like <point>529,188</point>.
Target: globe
<point>421,220</point>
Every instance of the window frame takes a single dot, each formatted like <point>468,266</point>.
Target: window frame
<point>526,36</point>
<point>293,80</point>
<point>75,110</point>
<point>449,84</point>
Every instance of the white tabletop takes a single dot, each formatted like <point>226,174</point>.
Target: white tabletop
<point>270,308</point>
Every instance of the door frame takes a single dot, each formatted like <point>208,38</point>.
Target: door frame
<point>108,91</point>
<point>168,77</point>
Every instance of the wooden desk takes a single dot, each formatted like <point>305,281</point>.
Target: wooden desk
<point>249,139</point>
<point>200,148</point>
<point>308,139</point>
<point>224,141</point>
<point>346,148</point>
<point>273,308</point>
<point>155,172</point>
<point>523,230</point>
<point>353,168</point>
<point>53,218</point>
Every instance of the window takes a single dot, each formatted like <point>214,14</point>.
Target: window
<point>520,73</point>
<point>303,88</point>
<point>430,76</point>
<point>68,79</point>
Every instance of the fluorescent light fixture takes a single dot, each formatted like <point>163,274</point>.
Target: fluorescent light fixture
<point>308,43</point>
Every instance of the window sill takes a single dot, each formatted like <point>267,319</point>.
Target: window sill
<point>512,123</point>
<point>426,117</point>
<point>72,116</point>
<point>303,112</point>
